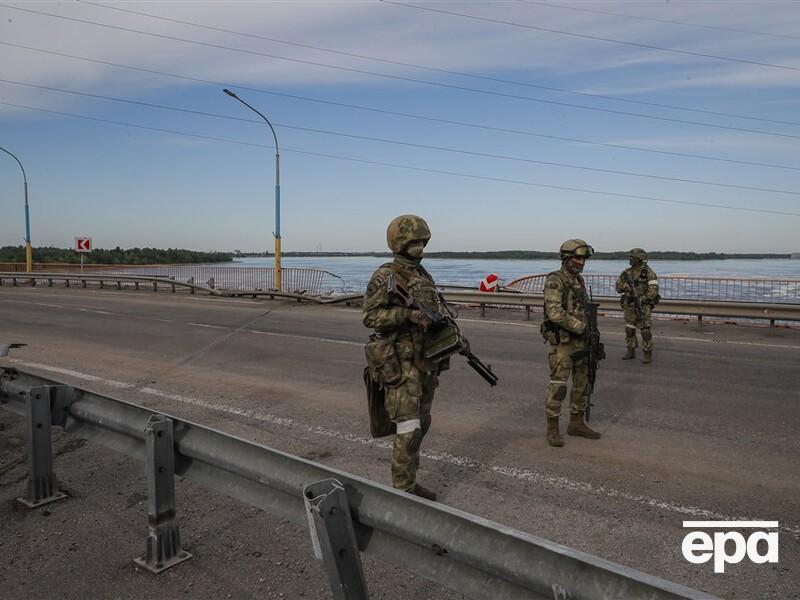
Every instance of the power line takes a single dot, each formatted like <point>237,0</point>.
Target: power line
<point>653,19</point>
<point>409,144</point>
<point>593,37</point>
<point>436,69</point>
<point>218,84</point>
<point>413,168</point>
<point>407,79</point>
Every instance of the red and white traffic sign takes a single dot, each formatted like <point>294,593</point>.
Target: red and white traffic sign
<point>83,244</point>
<point>489,283</point>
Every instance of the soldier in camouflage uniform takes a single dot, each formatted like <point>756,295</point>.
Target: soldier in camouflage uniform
<point>646,283</point>
<point>565,328</point>
<point>394,353</point>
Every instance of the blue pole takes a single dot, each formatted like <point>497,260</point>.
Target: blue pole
<point>27,217</point>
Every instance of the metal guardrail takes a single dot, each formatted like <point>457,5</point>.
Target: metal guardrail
<point>719,289</point>
<point>346,513</point>
<point>698,308</point>
<point>257,279</point>
<point>136,281</point>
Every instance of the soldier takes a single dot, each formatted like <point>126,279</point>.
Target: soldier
<point>394,352</point>
<point>645,292</point>
<point>565,328</point>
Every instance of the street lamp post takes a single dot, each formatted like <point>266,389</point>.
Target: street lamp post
<point>28,251</point>
<point>277,232</point>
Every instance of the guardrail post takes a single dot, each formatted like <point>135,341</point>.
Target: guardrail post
<point>49,282</point>
<point>527,312</point>
<point>119,285</point>
<point>483,309</point>
<point>83,282</point>
<point>14,281</point>
<point>66,281</point>
<point>136,285</point>
<point>101,284</point>
<point>173,288</point>
<point>211,283</point>
<point>155,286</point>
<point>334,538</point>
<point>163,536</point>
<point>772,322</point>
<point>42,486</point>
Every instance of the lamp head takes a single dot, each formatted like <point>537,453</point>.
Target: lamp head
<point>230,93</point>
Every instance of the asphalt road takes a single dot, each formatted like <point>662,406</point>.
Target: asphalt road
<point>709,431</point>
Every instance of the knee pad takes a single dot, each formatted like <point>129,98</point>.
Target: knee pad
<point>630,331</point>
<point>561,392</point>
<point>647,335</point>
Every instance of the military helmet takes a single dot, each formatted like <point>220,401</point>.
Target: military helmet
<point>638,253</point>
<point>404,229</point>
<point>575,247</point>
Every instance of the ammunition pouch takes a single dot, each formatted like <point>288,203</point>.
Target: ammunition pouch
<point>549,331</point>
<point>383,363</point>
<point>380,425</point>
<point>442,343</point>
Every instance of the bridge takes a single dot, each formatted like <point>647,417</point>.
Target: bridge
<point>709,431</point>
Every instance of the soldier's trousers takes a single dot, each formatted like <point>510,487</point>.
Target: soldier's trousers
<point>644,327</point>
<point>561,365</point>
<point>409,406</point>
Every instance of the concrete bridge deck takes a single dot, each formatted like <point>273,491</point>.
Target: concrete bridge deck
<point>710,430</point>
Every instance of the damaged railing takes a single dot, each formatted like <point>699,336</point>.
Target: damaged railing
<point>346,514</point>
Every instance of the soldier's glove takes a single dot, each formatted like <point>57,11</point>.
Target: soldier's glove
<point>419,318</point>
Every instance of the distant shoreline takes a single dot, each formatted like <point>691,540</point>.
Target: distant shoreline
<point>532,255</point>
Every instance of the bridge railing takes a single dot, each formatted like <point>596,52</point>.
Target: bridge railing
<point>294,280</point>
<point>346,514</point>
<point>717,289</point>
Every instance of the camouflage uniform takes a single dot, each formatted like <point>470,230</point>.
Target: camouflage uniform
<point>408,379</point>
<point>564,327</point>
<point>646,283</point>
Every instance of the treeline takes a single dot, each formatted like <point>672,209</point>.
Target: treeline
<point>536,255</point>
<point>114,256</point>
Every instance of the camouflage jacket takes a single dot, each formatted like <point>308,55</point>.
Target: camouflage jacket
<point>646,282</point>
<point>565,300</point>
<point>384,312</point>
<point>388,316</point>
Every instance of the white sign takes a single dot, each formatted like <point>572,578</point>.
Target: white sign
<point>83,244</point>
<point>699,547</point>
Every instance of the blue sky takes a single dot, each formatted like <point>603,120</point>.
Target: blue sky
<point>135,187</point>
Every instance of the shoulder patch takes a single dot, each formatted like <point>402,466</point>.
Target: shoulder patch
<point>553,285</point>
<point>378,281</point>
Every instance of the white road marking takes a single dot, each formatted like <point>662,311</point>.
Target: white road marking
<point>76,374</point>
<point>207,325</point>
<point>673,338</point>
<point>48,305</point>
<point>307,337</point>
<point>526,475</point>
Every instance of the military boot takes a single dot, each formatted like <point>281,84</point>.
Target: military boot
<point>553,436</point>
<point>648,357</point>
<point>423,492</point>
<point>577,426</point>
<point>630,354</point>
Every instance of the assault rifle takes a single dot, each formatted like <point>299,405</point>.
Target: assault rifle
<point>632,297</point>
<point>444,334</point>
<point>595,349</point>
